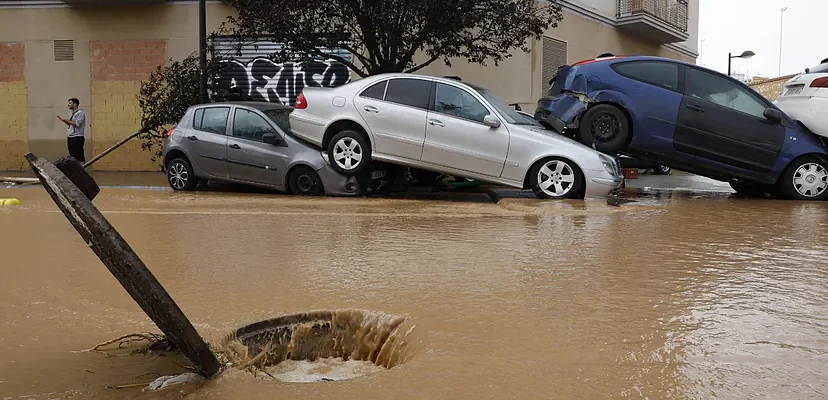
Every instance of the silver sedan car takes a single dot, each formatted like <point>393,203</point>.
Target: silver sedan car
<point>248,143</point>
<point>447,126</point>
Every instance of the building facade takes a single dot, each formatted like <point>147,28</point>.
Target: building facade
<point>100,50</point>
<point>771,88</point>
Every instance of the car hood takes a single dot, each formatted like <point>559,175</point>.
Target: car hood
<point>553,138</point>
<point>557,136</point>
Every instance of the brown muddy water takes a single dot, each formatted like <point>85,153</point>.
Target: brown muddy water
<point>682,298</point>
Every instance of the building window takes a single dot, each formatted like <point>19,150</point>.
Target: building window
<point>554,56</point>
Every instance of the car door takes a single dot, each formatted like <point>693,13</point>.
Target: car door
<point>395,111</point>
<point>723,121</point>
<point>249,159</point>
<point>456,136</point>
<point>657,89</point>
<point>208,140</point>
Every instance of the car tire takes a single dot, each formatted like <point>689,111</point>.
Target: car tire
<point>805,178</point>
<point>180,175</point>
<point>354,152</point>
<point>556,178</point>
<point>662,170</point>
<point>304,181</point>
<point>606,126</point>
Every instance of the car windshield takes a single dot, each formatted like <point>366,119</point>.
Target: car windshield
<point>280,117</point>
<point>509,114</point>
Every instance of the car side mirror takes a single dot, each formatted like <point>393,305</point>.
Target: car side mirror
<point>274,139</point>
<point>491,121</point>
<point>773,115</point>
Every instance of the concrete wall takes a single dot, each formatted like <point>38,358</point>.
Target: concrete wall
<point>114,49</point>
<point>14,141</point>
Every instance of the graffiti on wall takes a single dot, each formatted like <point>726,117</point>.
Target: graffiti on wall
<point>262,79</point>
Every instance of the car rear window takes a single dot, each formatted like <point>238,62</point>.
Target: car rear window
<point>821,68</point>
<point>657,73</point>
<point>281,118</point>
<point>409,92</point>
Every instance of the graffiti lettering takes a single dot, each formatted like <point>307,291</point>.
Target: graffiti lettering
<point>263,79</point>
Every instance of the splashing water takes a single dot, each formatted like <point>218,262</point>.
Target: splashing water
<point>320,345</point>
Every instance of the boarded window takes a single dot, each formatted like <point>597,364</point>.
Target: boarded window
<point>64,50</point>
<point>554,56</point>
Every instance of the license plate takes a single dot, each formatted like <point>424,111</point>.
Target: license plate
<point>378,174</point>
<point>794,90</point>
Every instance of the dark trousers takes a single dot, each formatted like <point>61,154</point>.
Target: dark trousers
<point>75,145</point>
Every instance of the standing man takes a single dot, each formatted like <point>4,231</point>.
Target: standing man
<point>76,124</point>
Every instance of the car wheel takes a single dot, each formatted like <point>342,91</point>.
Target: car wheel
<point>806,178</point>
<point>304,181</point>
<point>180,175</point>
<point>556,178</point>
<point>349,152</point>
<point>606,126</point>
<point>662,170</point>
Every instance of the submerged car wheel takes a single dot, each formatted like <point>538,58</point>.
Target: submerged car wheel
<point>662,170</point>
<point>180,175</point>
<point>349,152</point>
<point>556,178</point>
<point>806,178</point>
<point>304,181</point>
<point>606,126</point>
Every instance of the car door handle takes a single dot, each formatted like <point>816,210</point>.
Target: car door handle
<point>235,146</point>
<point>371,109</point>
<point>436,122</point>
<point>696,108</point>
<point>192,137</point>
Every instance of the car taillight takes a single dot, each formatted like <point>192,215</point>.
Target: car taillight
<point>584,62</point>
<point>170,131</point>
<point>301,102</point>
<point>820,82</point>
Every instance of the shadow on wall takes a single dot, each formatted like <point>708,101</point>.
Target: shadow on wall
<point>263,79</point>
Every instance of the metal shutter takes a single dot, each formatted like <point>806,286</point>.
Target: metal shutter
<point>554,56</point>
<point>261,49</point>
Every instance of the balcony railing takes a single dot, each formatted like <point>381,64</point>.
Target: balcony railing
<point>670,12</point>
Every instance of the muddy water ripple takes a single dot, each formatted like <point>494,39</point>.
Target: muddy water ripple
<point>678,297</point>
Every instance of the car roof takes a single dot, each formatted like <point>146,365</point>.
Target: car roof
<point>622,58</point>
<point>454,80</point>
<point>259,105</point>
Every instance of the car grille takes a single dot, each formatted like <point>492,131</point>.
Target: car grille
<point>618,166</point>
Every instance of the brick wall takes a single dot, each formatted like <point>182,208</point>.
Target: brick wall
<point>118,67</point>
<point>14,122</point>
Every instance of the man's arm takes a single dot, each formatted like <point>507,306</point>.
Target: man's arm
<point>67,122</point>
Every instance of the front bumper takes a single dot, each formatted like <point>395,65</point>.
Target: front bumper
<point>336,184</point>
<point>602,184</point>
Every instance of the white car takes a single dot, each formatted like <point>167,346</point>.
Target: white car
<point>447,126</point>
<point>805,98</point>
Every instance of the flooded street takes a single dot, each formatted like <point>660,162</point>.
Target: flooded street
<point>671,297</point>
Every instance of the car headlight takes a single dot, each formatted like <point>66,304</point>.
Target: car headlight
<point>609,165</point>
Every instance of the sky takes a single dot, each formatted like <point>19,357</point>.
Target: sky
<point>738,25</point>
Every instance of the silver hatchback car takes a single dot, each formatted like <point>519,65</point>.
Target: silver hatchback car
<point>248,143</point>
<point>447,126</point>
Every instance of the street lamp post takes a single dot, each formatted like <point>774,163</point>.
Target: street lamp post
<point>781,24</point>
<point>202,50</point>
<point>745,55</point>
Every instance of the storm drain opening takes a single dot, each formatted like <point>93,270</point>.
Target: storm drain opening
<point>320,346</point>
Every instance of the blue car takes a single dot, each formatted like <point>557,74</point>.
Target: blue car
<point>690,118</point>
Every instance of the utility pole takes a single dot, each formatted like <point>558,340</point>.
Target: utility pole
<point>202,49</point>
<point>781,25</point>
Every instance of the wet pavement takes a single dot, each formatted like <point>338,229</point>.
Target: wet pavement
<point>689,292</point>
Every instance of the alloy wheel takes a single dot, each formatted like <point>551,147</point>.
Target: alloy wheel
<point>347,153</point>
<point>556,178</point>
<point>178,175</point>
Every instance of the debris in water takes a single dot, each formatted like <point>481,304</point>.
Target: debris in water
<point>172,380</point>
